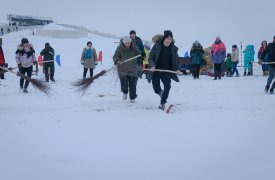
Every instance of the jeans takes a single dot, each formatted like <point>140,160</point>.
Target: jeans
<point>86,70</point>
<point>234,65</point>
<point>23,70</point>
<point>165,78</point>
<point>271,76</point>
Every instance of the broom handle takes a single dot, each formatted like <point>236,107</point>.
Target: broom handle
<point>46,61</point>
<point>6,69</point>
<point>265,62</point>
<point>161,70</point>
<point>127,60</point>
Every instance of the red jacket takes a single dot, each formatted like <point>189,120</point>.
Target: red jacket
<point>2,58</point>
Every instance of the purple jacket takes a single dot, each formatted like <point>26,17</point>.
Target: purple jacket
<point>24,59</point>
<point>219,57</point>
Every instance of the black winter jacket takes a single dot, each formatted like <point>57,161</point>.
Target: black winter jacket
<point>271,53</point>
<point>154,57</point>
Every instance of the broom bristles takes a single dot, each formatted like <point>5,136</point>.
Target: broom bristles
<point>37,84</point>
<point>83,84</point>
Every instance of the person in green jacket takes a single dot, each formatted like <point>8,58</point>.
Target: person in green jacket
<point>128,71</point>
<point>228,64</point>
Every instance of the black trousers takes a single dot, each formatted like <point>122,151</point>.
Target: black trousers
<point>196,70</point>
<point>217,71</point>
<point>24,71</point>
<point>129,84</point>
<point>2,72</point>
<point>49,70</point>
<point>86,70</point>
<point>165,78</point>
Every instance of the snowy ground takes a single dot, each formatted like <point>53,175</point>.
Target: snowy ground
<point>221,130</point>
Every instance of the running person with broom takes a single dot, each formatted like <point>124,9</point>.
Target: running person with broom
<point>163,56</point>
<point>128,71</point>
<point>25,59</point>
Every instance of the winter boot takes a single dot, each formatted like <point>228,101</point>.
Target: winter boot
<point>47,77</point>
<point>25,90</point>
<point>124,97</point>
<point>249,74</point>
<point>162,107</point>
<point>244,74</point>
<point>271,91</point>
<point>132,100</point>
<point>266,89</point>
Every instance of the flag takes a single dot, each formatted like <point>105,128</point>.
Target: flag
<point>99,58</point>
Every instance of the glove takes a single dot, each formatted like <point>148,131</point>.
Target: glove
<point>118,62</point>
<point>34,62</point>
<point>260,61</point>
<point>19,66</point>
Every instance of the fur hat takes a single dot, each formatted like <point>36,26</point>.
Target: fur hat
<point>126,39</point>
<point>167,33</point>
<point>132,32</point>
<point>218,37</point>
<point>24,40</point>
<point>89,42</point>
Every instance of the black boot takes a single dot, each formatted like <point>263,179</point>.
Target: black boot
<point>266,89</point>
<point>244,74</point>
<point>47,77</point>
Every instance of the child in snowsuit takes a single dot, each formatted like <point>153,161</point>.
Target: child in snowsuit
<point>228,64</point>
<point>248,59</point>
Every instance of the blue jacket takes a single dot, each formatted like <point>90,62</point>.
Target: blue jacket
<point>219,57</point>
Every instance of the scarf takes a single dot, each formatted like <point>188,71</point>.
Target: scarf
<point>217,47</point>
<point>88,53</point>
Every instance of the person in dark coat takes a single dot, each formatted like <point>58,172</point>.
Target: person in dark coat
<point>163,56</point>
<point>138,42</point>
<point>127,71</point>
<point>48,55</point>
<point>2,60</point>
<point>271,67</point>
<point>196,57</point>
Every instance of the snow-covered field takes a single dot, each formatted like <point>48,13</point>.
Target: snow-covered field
<point>221,130</point>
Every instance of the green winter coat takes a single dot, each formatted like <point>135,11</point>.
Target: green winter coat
<point>228,62</point>
<point>196,54</point>
<point>122,53</point>
<point>89,62</point>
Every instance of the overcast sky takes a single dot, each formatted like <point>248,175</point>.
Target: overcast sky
<point>234,20</point>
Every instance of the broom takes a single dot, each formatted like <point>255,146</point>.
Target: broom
<point>162,70</point>
<point>37,84</point>
<point>83,84</point>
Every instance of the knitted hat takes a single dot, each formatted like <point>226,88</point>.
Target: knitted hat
<point>234,46</point>
<point>167,33</point>
<point>89,42</point>
<point>126,39</point>
<point>24,40</point>
<point>47,44</point>
<point>132,32</point>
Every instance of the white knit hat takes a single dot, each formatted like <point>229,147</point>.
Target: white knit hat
<point>126,39</point>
